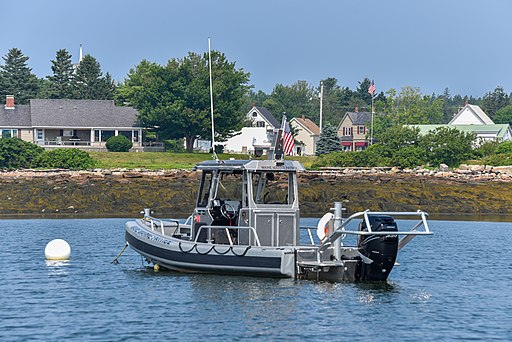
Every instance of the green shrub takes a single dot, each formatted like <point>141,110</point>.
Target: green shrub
<point>118,143</point>
<point>66,158</point>
<point>504,147</point>
<point>498,159</point>
<point>377,155</point>
<point>176,145</point>
<point>409,157</point>
<point>485,149</point>
<point>16,153</point>
<point>448,145</point>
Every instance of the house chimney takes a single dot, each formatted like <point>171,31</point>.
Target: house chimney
<point>303,117</point>
<point>9,102</point>
<point>356,109</point>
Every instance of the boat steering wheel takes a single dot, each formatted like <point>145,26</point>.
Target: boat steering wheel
<point>227,211</point>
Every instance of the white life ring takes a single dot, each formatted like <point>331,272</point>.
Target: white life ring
<point>325,224</point>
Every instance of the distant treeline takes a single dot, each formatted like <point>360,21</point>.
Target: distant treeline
<point>86,80</point>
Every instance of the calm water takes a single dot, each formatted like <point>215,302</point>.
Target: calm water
<point>455,285</point>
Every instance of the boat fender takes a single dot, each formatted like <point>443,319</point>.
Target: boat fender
<point>325,225</point>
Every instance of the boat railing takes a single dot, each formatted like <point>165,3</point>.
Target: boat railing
<point>156,223</point>
<point>227,229</point>
<point>309,229</point>
<point>341,230</point>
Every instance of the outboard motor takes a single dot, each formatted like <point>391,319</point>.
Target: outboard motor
<point>382,249</point>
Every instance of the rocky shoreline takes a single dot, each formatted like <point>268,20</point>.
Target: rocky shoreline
<point>470,189</point>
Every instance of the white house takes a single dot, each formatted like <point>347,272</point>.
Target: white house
<point>260,134</point>
<point>307,133</point>
<point>472,119</point>
<point>247,139</point>
<point>471,115</point>
<point>261,117</point>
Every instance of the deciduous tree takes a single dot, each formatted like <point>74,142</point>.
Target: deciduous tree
<point>175,98</point>
<point>448,145</point>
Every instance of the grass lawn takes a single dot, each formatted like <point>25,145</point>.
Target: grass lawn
<point>165,160</point>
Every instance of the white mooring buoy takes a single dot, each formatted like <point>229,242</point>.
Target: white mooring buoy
<point>57,249</point>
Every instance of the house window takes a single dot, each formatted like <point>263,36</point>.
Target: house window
<point>9,133</point>
<point>127,134</point>
<point>106,134</point>
<point>360,129</point>
<point>40,136</point>
<point>260,123</point>
<point>67,132</point>
<point>254,114</point>
<point>347,131</point>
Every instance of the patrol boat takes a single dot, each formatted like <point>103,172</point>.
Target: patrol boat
<point>247,222</point>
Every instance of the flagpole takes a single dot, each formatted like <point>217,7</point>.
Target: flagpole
<point>321,103</point>
<point>371,135</point>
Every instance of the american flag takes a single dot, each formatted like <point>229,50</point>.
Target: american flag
<point>288,141</point>
<point>371,88</point>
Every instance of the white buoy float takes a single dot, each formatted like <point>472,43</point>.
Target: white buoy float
<point>57,249</point>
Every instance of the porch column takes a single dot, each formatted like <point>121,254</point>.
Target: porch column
<point>116,132</point>
<point>92,136</point>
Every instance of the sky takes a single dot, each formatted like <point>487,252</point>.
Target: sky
<point>463,45</point>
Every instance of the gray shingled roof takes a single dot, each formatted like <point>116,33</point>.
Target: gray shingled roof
<point>81,113</point>
<point>270,118</point>
<point>15,118</point>
<point>360,118</point>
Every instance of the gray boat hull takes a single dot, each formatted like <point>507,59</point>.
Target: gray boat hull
<point>188,256</point>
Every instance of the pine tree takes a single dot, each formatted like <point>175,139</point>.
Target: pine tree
<point>328,141</point>
<point>16,77</point>
<point>61,83</point>
<point>90,83</point>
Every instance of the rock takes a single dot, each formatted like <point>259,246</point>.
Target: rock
<point>442,174</point>
<point>443,167</point>
<point>477,168</point>
<point>503,170</point>
<point>132,175</point>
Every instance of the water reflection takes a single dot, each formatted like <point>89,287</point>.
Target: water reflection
<point>58,267</point>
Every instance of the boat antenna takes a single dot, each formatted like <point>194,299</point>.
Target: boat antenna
<point>211,101</point>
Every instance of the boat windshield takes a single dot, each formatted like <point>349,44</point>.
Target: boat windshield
<point>230,186</point>
<point>272,187</point>
<point>204,189</point>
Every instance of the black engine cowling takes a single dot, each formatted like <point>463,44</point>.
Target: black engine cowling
<point>382,249</point>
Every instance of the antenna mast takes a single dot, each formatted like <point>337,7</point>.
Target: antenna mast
<point>211,100</point>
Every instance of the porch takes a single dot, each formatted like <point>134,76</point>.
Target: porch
<point>91,139</point>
